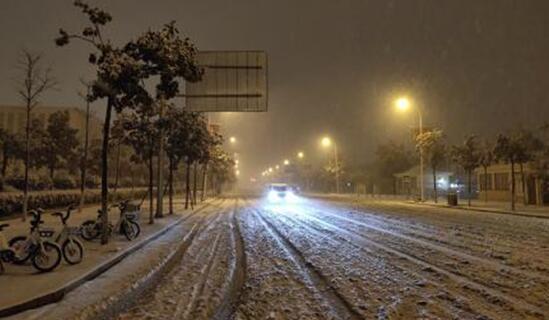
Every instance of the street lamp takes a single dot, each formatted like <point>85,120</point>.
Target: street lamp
<point>300,155</point>
<point>286,162</point>
<point>326,142</point>
<point>403,104</point>
<point>277,167</point>
<point>232,140</point>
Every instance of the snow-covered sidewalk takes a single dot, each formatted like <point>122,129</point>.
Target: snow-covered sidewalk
<point>22,287</point>
<point>501,207</point>
<point>494,207</point>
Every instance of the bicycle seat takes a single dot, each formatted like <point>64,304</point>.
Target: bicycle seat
<point>4,225</point>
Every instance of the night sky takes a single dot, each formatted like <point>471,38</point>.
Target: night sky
<point>473,66</point>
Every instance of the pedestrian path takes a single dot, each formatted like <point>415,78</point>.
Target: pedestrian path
<point>494,207</point>
<point>22,285</point>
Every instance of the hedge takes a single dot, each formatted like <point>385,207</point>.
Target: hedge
<point>12,202</point>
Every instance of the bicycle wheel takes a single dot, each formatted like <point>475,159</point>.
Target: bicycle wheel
<point>73,251</point>
<point>129,230</point>
<point>48,259</point>
<point>19,246</point>
<point>89,230</point>
<point>136,226</point>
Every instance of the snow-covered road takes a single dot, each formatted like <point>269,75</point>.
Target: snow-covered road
<point>316,259</point>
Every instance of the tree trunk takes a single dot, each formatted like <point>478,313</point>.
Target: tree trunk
<point>204,177</point>
<point>513,186</point>
<point>195,182</point>
<point>4,169</point>
<point>151,195</point>
<point>52,173</point>
<point>435,183</point>
<point>160,167</point>
<point>187,184</point>
<point>524,194</point>
<point>117,173</point>
<point>27,161</point>
<point>105,172</point>
<point>485,184</point>
<point>170,178</point>
<point>469,187</point>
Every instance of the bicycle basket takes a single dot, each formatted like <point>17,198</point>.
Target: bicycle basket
<point>46,233</point>
<point>132,215</point>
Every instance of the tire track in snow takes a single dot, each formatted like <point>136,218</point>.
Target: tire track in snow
<point>238,271</point>
<point>335,237</point>
<point>521,304</point>
<point>312,276</point>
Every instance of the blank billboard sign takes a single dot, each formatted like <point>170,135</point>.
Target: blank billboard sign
<point>233,81</point>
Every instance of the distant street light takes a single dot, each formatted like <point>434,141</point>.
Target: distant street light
<point>326,142</point>
<point>300,155</point>
<point>403,104</point>
<point>270,169</point>
<point>277,167</point>
<point>237,172</point>
<point>232,140</point>
<point>286,162</point>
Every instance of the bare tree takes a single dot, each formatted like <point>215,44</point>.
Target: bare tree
<point>35,80</point>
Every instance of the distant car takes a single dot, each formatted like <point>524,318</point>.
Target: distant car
<point>280,192</point>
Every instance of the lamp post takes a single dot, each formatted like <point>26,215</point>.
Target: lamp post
<point>326,142</point>
<point>403,104</point>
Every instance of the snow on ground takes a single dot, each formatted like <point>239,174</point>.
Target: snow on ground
<point>351,259</point>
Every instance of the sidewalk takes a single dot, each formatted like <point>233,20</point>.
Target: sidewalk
<point>493,207</point>
<point>476,205</point>
<point>22,286</point>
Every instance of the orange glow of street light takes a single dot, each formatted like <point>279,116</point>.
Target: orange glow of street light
<point>300,155</point>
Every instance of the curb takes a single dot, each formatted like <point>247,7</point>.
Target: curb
<point>58,294</point>
<point>528,215</point>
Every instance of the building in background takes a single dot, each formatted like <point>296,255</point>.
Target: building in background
<point>496,185</point>
<point>407,183</point>
<point>12,119</point>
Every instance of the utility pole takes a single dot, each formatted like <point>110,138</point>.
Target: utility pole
<point>421,160</point>
<point>336,163</point>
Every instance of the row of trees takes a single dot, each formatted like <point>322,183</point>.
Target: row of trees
<point>516,148</point>
<point>138,79</point>
<point>52,145</point>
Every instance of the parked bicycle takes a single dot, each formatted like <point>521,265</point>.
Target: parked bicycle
<point>45,255</point>
<point>7,255</point>
<point>71,247</point>
<point>127,223</point>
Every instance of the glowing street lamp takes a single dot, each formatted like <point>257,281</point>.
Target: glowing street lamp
<point>403,104</point>
<point>300,155</point>
<point>286,162</point>
<point>326,142</point>
<point>270,169</point>
<point>232,140</point>
<point>277,167</point>
<point>237,172</point>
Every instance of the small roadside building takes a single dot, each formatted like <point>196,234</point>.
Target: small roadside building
<point>495,184</point>
<point>408,182</point>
